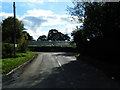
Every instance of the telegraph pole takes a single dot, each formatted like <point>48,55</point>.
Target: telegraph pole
<point>14,27</point>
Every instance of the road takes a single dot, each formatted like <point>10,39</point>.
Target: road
<point>61,70</point>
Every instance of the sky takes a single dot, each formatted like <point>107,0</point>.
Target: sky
<point>40,16</point>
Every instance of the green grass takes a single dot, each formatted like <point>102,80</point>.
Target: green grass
<point>10,63</point>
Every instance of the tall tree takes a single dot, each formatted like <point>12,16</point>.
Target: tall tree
<point>87,13</point>
<point>26,35</point>
<point>8,29</point>
<point>66,37</point>
<point>54,35</point>
<point>29,37</point>
<point>1,29</point>
<point>42,38</point>
<point>101,24</point>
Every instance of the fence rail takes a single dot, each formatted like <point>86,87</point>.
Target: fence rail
<point>50,44</point>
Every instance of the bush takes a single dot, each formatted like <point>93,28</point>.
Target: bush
<point>7,50</point>
<point>22,47</point>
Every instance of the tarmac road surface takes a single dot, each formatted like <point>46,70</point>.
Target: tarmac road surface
<point>61,70</point>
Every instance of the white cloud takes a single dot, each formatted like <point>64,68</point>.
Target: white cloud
<point>37,1</point>
<point>33,33</point>
<point>5,15</point>
<point>38,32</point>
<point>32,21</point>
<point>53,0</point>
<point>39,12</point>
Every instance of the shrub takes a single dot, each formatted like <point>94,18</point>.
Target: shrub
<point>22,47</point>
<point>7,50</point>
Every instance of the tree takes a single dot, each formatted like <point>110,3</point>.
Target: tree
<point>77,36</point>
<point>42,38</point>
<point>98,17</point>
<point>22,47</point>
<point>100,25</point>
<point>54,35</point>
<point>90,11</point>
<point>0,31</point>
<point>24,37</point>
<point>67,37</point>
<point>60,37</point>
<point>8,29</point>
<point>21,35</point>
<point>27,35</point>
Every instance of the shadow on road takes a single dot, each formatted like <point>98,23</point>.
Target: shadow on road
<point>65,54</point>
<point>111,69</point>
<point>76,74</point>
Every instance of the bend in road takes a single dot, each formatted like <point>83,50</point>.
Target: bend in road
<point>61,70</point>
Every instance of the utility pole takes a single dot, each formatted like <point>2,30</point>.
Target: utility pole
<point>14,28</point>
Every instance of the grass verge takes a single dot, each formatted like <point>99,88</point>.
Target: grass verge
<point>10,63</point>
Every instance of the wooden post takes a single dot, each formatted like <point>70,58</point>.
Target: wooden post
<point>14,27</point>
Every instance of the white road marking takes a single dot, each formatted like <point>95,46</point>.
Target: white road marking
<point>59,64</point>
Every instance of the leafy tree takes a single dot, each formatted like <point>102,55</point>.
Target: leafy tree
<point>8,29</point>
<point>21,36</point>
<point>42,38</point>
<point>98,17</point>
<point>27,35</point>
<point>22,46</point>
<point>67,37</point>
<point>60,36</point>
<point>77,36</point>
<point>0,31</point>
<point>0,26</point>
<point>88,11</point>
<point>54,35</point>
<point>100,25</point>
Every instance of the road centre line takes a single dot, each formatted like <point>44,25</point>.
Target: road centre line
<point>59,64</point>
<point>68,81</point>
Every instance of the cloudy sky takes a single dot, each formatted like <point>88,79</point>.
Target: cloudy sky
<point>40,16</point>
